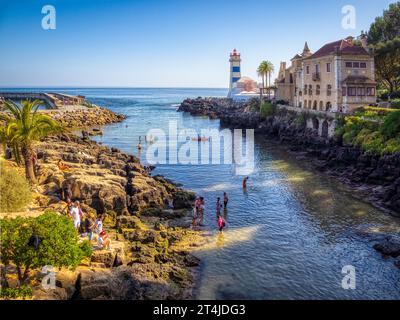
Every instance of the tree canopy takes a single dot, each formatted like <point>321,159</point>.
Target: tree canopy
<point>49,239</point>
<point>384,37</point>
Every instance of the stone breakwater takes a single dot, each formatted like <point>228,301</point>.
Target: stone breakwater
<point>80,116</point>
<point>375,179</point>
<point>147,219</point>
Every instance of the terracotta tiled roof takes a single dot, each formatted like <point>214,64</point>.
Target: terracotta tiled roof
<point>357,79</point>
<point>344,47</point>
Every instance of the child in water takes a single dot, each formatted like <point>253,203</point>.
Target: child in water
<point>221,223</point>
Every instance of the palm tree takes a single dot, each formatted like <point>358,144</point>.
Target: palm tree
<point>263,72</point>
<point>23,127</point>
<point>270,69</point>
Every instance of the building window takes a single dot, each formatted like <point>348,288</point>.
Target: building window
<point>344,91</point>
<point>328,67</point>
<point>370,91</point>
<point>305,89</point>
<point>351,91</point>
<point>328,90</point>
<point>318,89</point>
<point>328,106</point>
<point>235,69</point>
<point>308,69</point>
<point>361,92</point>
<point>356,65</point>
<point>300,93</point>
<point>310,90</point>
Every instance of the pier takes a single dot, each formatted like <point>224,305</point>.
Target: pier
<point>53,100</point>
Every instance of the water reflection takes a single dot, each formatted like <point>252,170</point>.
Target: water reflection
<point>288,234</point>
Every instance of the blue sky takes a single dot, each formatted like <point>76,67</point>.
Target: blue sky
<point>162,43</point>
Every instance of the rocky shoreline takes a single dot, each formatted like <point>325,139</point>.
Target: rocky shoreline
<point>147,218</point>
<point>376,179</point>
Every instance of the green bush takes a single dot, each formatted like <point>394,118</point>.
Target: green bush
<point>267,109</point>
<point>22,292</point>
<point>15,192</point>
<point>373,111</point>
<point>392,146</point>
<point>352,127</point>
<point>58,243</point>
<point>373,143</point>
<point>391,126</point>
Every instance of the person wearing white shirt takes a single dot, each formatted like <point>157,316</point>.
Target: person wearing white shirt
<point>76,217</point>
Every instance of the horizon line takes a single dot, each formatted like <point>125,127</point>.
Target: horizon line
<point>106,87</point>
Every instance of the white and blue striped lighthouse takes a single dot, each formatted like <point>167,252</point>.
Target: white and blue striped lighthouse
<point>235,72</point>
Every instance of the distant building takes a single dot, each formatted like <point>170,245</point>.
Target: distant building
<point>339,77</point>
<point>240,88</point>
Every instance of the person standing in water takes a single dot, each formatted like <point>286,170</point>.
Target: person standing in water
<point>245,182</point>
<point>226,199</point>
<point>221,223</point>
<point>218,206</point>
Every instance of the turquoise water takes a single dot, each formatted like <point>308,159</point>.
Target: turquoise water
<point>287,237</point>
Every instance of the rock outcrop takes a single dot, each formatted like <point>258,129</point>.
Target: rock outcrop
<point>79,117</point>
<point>102,178</point>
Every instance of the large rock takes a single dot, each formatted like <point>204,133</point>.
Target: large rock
<point>130,222</point>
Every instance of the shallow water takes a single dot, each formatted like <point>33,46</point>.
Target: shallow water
<point>287,237</point>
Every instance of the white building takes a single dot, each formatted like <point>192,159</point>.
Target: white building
<point>240,88</point>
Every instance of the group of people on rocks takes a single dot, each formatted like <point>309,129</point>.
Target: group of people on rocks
<point>86,226</point>
<point>199,205</point>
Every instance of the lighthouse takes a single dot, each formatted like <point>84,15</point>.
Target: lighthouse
<point>235,72</point>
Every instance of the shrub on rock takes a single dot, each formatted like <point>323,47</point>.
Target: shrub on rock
<point>49,239</point>
<point>15,192</point>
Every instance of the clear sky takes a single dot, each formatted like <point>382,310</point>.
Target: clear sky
<point>162,43</point>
